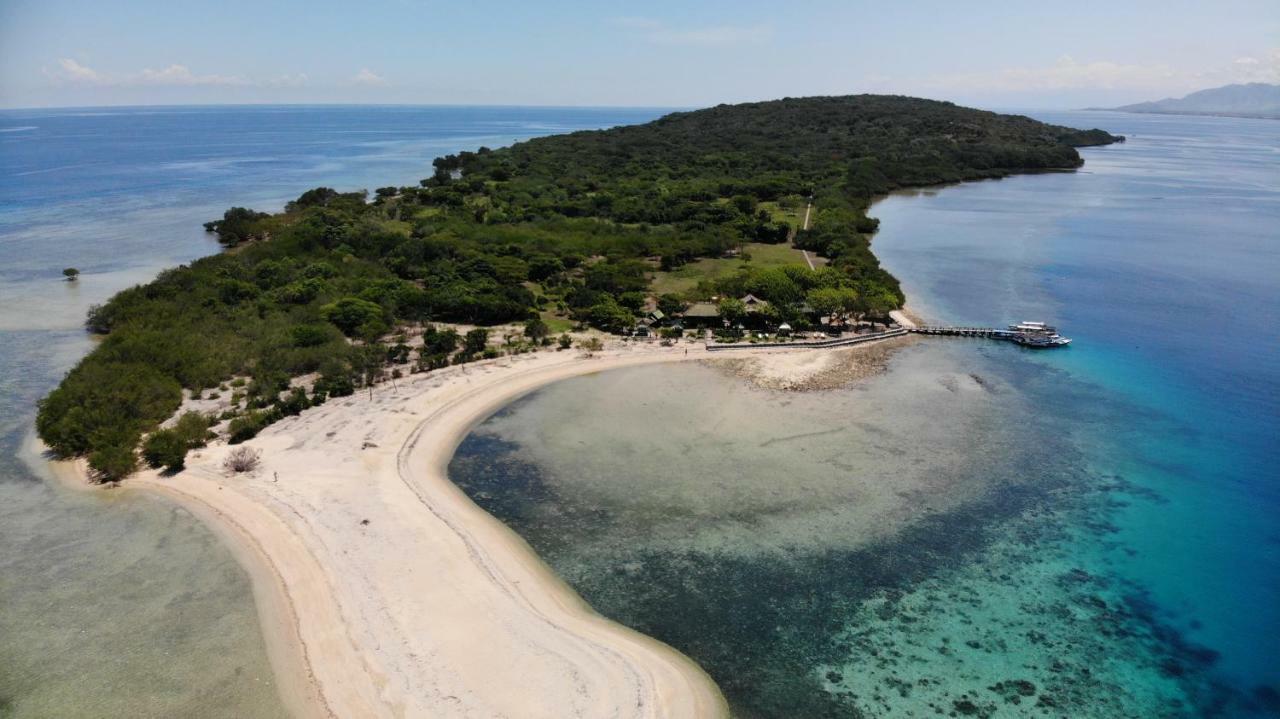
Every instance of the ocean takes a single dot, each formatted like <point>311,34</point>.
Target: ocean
<point>116,604</point>
<point>983,530</point>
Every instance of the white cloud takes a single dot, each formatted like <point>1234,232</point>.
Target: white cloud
<point>1258,69</point>
<point>369,78</point>
<point>182,75</point>
<point>71,71</point>
<point>286,80</point>
<point>658,33</point>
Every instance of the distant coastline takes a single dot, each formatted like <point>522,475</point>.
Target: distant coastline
<point>1186,113</point>
<point>1254,100</point>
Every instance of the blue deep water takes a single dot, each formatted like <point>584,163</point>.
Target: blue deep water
<point>1161,259</point>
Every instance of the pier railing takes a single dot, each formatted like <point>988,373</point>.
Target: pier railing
<point>835,342</point>
<point>963,331</point>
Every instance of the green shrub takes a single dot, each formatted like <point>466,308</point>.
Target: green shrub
<point>112,463</point>
<point>193,429</point>
<point>247,427</point>
<point>165,448</point>
<point>354,316</point>
<point>475,341</point>
<point>293,403</point>
<point>309,335</point>
<point>335,383</point>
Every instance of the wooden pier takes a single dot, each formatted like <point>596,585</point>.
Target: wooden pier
<point>800,344</point>
<point>1035,335</point>
<point>991,332</point>
<point>1038,337</point>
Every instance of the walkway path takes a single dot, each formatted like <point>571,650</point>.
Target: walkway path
<point>808,208</point>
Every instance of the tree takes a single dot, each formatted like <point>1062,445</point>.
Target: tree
<point>879,304</point>
<point>564,342</point>
<point>237,225</point>
<point>309,335</point>
<point>165,448</point>
<point>113,463</point>
<point>71,273</point>
<point>832,301</point>
<point>193,429</point>
<point>535,329</point>
<point>670,304</point>
<point>732,310</point>
<point>354,316</point>
<point>368,361</point>
<point>439,341</point>
<point>851,301</point>
<point>319,196</point>
<point>475,341</point>
<point>335,381</point>
<point>544,266</point>
<point>610,316</point>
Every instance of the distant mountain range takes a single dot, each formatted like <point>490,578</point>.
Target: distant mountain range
<point>1255,99</point>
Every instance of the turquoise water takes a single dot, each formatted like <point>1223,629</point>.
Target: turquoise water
<point>116,605</point>
<point>983,530</point>
<point>1164,263</point>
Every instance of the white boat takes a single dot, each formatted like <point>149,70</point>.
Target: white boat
<point>1037,335</point>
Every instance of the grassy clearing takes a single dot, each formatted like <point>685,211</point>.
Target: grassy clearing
<point>761,255</point>
<point>557,323</point>
<point>789,210</point>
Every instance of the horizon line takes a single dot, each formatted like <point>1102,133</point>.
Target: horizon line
<point>350,104</point>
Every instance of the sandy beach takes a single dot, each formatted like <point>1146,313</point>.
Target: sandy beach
<point>384,591</point>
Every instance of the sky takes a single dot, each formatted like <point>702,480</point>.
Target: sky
<point>652,54</point>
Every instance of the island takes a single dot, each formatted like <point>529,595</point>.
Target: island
<point>1249,100</point>
<point>304,389</point>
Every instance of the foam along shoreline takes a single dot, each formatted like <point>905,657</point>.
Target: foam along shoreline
<point>384,591</point>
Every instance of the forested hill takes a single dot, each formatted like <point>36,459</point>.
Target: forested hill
<point>553,231</point>
<point>862,145</point>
